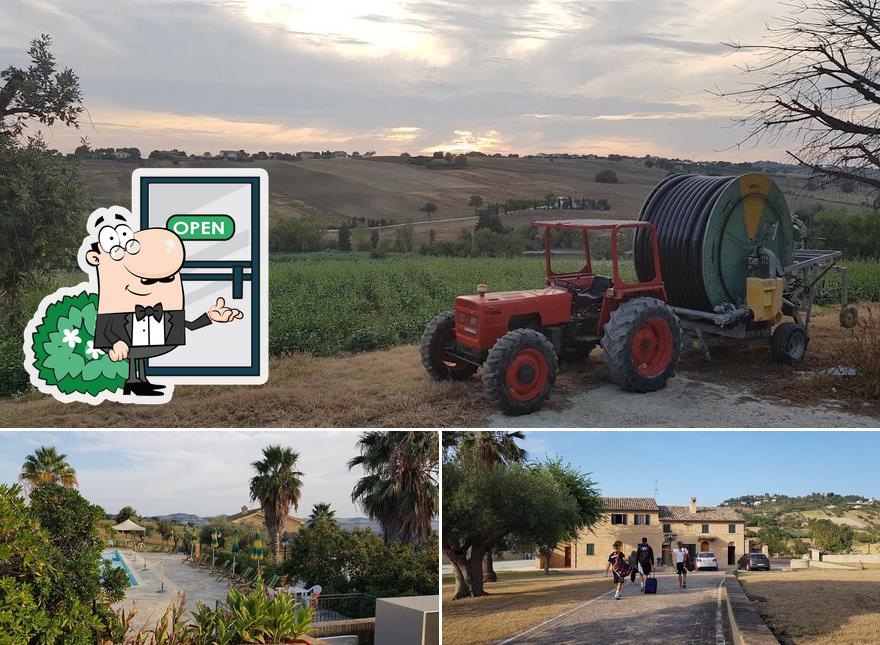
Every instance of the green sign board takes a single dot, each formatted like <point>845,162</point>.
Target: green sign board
<point>202,227</point>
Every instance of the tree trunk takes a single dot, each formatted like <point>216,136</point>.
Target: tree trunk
<point>475,562</point>
<point>489,574</point>
<point>462,574</point>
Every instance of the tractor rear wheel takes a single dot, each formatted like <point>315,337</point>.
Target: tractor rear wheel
<point>438,338</point>
<point>788,343</point>
<point>641,344</point>
<point>520,371</point>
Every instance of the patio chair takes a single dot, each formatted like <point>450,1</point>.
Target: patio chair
<point>273,582</point>
<point>224,570</point>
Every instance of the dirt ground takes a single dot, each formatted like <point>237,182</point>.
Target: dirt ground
<point>739,388</point>
<point>517,601</point>
<point>818,607</point>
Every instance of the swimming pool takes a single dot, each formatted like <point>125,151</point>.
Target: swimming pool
<point>117,562</point>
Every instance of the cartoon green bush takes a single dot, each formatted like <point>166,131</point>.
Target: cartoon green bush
<point>64,351</point>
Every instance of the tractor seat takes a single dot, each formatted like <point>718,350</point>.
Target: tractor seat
<point>596,291</point>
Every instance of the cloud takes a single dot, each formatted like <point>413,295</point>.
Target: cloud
<point>465,140</point>
<point>295,74</point>
<point>201,472</point>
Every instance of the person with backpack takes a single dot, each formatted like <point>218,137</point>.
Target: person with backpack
<point>644,560</point>
<point>682,555</point>
<point>619,566</point>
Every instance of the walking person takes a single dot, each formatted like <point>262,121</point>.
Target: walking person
<point>644,560</point>
<point>681,557</point>
<point>633,565</point>
<point>619,566</point>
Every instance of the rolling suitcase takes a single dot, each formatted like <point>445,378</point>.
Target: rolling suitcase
<point>651,584</point>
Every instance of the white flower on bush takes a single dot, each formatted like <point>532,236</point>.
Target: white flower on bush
<point>93,351</point>
<point>71,337</point>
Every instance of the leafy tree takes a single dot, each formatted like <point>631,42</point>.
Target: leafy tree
<point>429,209</point>
<point>583,491</point>
<point>344,238</point>
<point>278,486</point>
<point>44,598</point>
<point>321,512</point>
<point>483,504</point>
<point>490,222</point>
<point>166,530</point>
<point>400,486</point>
<point>40,92</point>
<point>126,513</point>
<point>47,466</point>
<point>42,206</point>
<point>476,201</point>
<point>489,448</point>
<point>828,536</point>
<point>606,177</point>
<point>374,238</point>
<point>360,238</point>
<point>814,83</point>
<point>295,234</point>
<point>360,562</point>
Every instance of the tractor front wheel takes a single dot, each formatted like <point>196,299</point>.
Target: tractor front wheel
<point>641,344</point>
<point>520,371</point>
<point>788,343</point>
<point>437,340</point>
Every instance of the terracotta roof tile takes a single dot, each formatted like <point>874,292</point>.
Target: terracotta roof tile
<point>703,514</point>
<point>629,504</point>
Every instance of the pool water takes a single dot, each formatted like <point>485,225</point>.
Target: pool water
<point>118,563</point>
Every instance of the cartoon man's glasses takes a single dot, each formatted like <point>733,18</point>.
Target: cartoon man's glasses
<point>118,241</point>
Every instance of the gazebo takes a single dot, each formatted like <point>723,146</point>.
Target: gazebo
<point>129,527</point>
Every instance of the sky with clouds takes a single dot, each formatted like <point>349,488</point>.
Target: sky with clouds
<point>201,472</point>
<point>625,76</point>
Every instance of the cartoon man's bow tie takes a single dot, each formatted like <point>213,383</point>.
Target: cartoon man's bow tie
<point>155,311</point>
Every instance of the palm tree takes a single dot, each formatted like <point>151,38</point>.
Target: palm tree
<point>46,466</point>
<point>400,488</point>
<point>491,447</point>
<point>321,512</point>
<point>277,485</point>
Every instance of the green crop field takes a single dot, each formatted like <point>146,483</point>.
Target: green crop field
<point>327,303</point>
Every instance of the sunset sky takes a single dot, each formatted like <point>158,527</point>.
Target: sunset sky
<point>600,76</point>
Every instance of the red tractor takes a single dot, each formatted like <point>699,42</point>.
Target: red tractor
<point>517,335</point>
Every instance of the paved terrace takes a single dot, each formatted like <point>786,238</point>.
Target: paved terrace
<point>148,599</point>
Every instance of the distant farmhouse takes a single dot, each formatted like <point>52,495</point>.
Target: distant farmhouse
<point>232,155</point>
<point>339,154</point>
<point>628,519</point>
<point>305,154</point>
<point>254,520</point>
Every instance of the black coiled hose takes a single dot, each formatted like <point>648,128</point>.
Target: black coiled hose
<point>679,207</point>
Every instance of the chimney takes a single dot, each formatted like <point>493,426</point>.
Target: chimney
<point>244,509</point>
<point>693,506</point>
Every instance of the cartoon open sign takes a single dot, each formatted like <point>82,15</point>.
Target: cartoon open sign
<point>222,218</point>
<point>177,292</point>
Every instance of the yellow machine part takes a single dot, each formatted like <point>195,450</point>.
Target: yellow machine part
<point>764,298</point>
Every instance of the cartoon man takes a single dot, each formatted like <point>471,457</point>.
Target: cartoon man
<point>140,294</point>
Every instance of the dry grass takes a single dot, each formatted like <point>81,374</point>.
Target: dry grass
<point>818,607</point>
<point>388,388</point>
<point>516,602</point>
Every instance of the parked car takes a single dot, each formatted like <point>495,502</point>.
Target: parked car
<point>754,562</point>
<point>706,560</point>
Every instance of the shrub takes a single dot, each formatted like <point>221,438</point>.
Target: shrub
<point>359,561</point>
<point>64,355</point>
<point>606,177</point>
